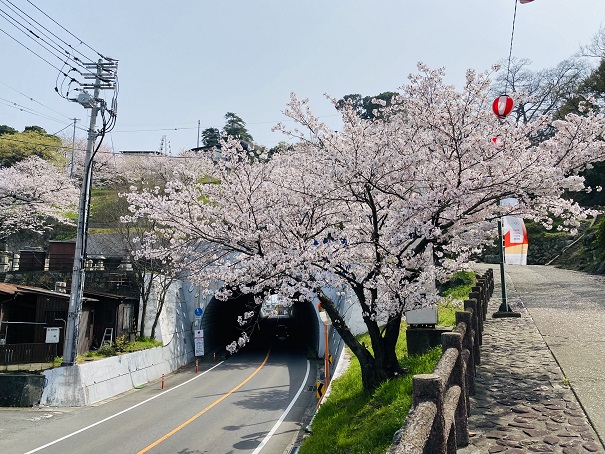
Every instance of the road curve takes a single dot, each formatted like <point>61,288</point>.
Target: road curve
<point>230,408</point>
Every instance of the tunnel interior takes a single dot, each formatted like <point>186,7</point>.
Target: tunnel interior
<point>295,329</point>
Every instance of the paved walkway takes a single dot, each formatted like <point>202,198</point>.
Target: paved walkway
<point>523,403</point>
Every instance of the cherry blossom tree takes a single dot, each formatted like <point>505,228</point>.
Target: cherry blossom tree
<point>377,210</point>
<point>107,165</point>
<point>34,193</point>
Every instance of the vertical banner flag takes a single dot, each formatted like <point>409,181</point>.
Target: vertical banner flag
<point>515,240</point>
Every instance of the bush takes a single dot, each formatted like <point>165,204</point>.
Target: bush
<point>105,350</point>
<point>600,235</point>
<point>123,345</point>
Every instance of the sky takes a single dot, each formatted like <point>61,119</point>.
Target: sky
<point>190,61</point>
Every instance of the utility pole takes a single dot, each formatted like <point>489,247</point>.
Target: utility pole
<point>73,150</point>
<point>198,133</point>
<point>101,81</point>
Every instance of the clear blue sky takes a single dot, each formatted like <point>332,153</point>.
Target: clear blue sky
<point>190,60</point>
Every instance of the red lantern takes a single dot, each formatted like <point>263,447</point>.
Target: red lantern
<point>502,106</point>
<point>497,142</point>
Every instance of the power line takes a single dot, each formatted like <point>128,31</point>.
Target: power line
<point>60,49</point>
<point>29,33</point>
<point>36,54</point>
<point>59,38</point>
<point>28,110</point>
<point>39,33</point>
<point>32,99</point>
<point>74,36</point>
<point>55,133</point>
<point>155,130</point>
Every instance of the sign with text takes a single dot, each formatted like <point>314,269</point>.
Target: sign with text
<point>515,240</point>
<point>198,341</point>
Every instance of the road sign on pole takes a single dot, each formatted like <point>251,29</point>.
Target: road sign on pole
<point>320,389</point>
<point>198,341</point>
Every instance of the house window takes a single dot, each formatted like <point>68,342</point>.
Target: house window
<point>55,318</point>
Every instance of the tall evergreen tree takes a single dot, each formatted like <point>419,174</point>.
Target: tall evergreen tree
<point>211,137</point>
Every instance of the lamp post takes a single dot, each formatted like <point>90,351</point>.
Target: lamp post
<point>504,307</point>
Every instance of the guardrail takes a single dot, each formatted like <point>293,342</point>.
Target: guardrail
<point>438,420</point>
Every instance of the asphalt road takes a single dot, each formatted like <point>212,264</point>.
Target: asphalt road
<point>254,401</point>
<point>568,309</point>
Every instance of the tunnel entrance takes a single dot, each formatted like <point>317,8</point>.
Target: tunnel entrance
<point>295,330</point>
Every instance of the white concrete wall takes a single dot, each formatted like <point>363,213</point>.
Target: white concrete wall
<point>95,381</point>
<point>177,314</point>
<point>98,380</point>
<point>348,306</point>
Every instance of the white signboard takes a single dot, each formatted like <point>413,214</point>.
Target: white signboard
<point>424,316</point>
<point>198,341</point>
<point>52,335</point>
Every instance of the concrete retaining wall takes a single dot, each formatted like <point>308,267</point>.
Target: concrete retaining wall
<point>92,382</point>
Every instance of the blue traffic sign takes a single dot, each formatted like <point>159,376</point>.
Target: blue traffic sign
<point>198,311</point>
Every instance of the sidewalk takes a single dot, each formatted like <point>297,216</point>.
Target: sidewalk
<point>522,403</point>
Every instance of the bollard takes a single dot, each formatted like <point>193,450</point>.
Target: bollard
<point>196,367</point>
<point>162,381</point>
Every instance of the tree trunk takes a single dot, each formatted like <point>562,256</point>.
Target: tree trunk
<point>375,368</point>
<point>372,375</point>
<point>391,336</point>
<point>164,286</point>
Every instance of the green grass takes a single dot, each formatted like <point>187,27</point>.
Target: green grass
<point>459,286</point>
<point>121,345</point>
<point>353,421</point>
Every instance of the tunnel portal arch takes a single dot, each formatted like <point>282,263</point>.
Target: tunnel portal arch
<point>221,327</point>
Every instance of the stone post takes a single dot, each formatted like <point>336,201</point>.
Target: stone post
<point>467,344</point>
<point>471,305</point>
<point>477,297</point>
<point>458,377</point>
<point>429,387</point>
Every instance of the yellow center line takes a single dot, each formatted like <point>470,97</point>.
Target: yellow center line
<point>213,404</point>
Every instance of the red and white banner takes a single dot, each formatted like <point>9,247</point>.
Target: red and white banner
<point>515,241</point>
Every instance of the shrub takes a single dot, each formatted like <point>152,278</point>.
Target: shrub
<point>121,344</point>
<point>106,350</point>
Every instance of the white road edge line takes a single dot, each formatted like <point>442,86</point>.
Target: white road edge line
<point>121,412</point>
<point>283,416</point>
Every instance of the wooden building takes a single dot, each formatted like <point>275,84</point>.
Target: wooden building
<point>26,312</point>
